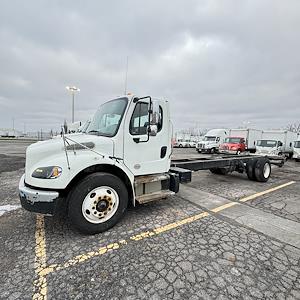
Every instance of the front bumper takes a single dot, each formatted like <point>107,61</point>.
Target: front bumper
<point>38,201</point>
<point>203,149</point>
<point>223,151</point>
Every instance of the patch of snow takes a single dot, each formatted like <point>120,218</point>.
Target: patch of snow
<point>6,208</point>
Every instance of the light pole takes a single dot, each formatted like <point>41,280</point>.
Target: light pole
<point>73,89</point>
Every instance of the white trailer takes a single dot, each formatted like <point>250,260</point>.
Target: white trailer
<point>212,141</point>
<point>8,132</point>
<point>250,136</point>
<point>182,140</point>
<point>276,142</point>
<point>124,157</point>
<point>74,127</point>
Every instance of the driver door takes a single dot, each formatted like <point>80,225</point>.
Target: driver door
<point>145,154</point>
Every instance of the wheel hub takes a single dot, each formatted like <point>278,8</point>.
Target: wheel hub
<point>100,204</point>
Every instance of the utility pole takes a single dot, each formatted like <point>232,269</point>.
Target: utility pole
<point>13,125</point>
<point>72,89</point>
<point>126,75</point>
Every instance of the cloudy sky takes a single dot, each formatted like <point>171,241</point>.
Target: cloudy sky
<point>219,63</point>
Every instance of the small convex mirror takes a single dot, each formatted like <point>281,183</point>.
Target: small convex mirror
<point>153,130</point>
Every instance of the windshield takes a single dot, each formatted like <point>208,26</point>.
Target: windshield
<point>297,144</point>
<point>233,140</point>
<point>209,138</point>
<point>266,143</point>
<point>108,117</point>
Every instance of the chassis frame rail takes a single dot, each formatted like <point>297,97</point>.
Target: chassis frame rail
<point>222,162</point>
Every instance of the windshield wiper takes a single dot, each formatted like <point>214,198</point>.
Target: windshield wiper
<point>93,131</point>
<point>99,133</point>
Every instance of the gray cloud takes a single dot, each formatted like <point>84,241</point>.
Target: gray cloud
<point>220,63</point>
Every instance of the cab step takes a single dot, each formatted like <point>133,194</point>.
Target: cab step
<point>145,198</point>
<point>151,178</point>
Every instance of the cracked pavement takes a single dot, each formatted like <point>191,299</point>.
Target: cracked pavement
<point>213,257</point>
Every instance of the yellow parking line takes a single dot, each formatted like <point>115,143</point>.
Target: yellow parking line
<point>42,270</point>
<point>266,191</point>
<point>40,283</point>
<point>114,246</point>
<point>222,207</point>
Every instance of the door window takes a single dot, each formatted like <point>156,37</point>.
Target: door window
<point>139,120</point>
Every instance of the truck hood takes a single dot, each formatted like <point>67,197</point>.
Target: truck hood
<point>266,150</point>
<point>208,142</point>
<point>39,153</point>
<point>229,146</point>
<point>297,151</point>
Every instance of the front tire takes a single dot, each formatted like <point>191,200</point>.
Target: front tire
<point>97,203</point>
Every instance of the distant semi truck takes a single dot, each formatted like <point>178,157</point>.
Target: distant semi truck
<point>212,141</point>
<point>241,140</point>
<point>276,142</point>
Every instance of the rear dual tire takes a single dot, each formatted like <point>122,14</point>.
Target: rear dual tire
<point>259,169</point>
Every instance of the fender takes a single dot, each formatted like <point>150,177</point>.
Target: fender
<point>80,164</point>
<point>116,168</point>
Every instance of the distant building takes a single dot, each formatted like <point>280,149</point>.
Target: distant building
<point>9,132</point>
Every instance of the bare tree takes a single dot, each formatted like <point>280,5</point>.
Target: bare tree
<point>294,127</point>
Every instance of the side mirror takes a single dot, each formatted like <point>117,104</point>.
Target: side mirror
<point>154,118</point>
<point>280,144</point>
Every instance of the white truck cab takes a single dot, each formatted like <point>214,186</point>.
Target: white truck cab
<point>276,142</point>
<point>296,154</point>
<point>270,147</point>
<point>212,141</point>
<point>123,156</point>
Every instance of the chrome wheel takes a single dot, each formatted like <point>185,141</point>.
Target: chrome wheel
<point>100,204</point>
<point>267,170</point>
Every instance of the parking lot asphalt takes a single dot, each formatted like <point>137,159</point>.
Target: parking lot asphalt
<point>220,237</point>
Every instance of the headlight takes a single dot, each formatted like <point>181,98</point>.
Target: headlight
<point>47,172</point>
